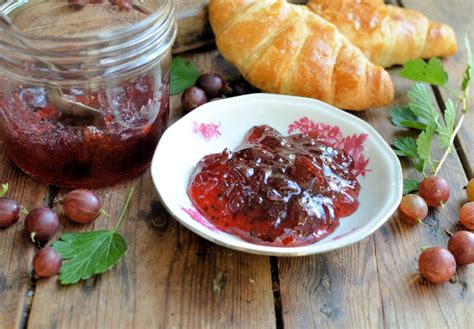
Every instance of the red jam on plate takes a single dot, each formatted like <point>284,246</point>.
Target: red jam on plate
<point>276,190</point>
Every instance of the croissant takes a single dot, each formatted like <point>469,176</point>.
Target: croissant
<point>287,49</point>
<point>387,34</point>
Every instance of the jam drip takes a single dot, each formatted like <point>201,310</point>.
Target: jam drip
<point>276,190</point>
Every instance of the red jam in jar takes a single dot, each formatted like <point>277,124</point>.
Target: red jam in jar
<point>84,90</point>
<point>276,190</point>
<point>85,151</point>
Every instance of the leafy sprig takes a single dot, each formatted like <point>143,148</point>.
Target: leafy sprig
<point>402,116</point>
<point>470,63</point>
<point>183,75</point>
<point>423,145</point>
<point>89,253</point>
<point>446,132</point>
<point>421,104</point>
<point>410,185</point>
<point>420,114</point>
<point>405,147</point>
<point>431,72</point>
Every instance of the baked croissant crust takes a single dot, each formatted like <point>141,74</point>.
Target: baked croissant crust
<point>387,34</point>
<point>287,49</point>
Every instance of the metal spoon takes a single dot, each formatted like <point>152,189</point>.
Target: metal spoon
<point>54,93</point>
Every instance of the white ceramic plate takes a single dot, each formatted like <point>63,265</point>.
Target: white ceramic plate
<point>220,124</point>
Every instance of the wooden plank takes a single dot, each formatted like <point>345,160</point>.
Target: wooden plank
<point>194,29</point>
<point>16,251</point>
<point>458,14</point>
<point>335,290</point>
<point>169,277</point>
<point>408,301</point>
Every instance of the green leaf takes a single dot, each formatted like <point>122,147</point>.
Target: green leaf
<point>446,132</point>
<point>405,147</point>
<point>410,185</point>
<point>183,75</point>
<point>88,253</point>
<point>420,165</point>
<point>421,103</point>
<point>402,116</point>
<point>470,64</point>
<point>4,190</point>
<point>431,72</point>
<point>423,144</point>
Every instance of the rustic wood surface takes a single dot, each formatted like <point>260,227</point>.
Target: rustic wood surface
<point>172,278</point>
<point>194,29</point>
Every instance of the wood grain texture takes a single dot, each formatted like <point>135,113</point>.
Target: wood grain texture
<point>169,277</point>
<point>406,301</point>
<point>335,290</point>
<point>194,30</point>
<point>409,301</point>
<point>459,15</point>
<point>172,278</point>
<point>16,251</point>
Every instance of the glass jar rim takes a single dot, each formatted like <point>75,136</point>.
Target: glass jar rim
<point>11,5</point>
<point>107,54</point>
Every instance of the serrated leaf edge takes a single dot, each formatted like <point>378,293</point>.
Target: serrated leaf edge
<point>78,278</point>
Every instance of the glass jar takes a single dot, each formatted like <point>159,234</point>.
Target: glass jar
<point>120,79</point>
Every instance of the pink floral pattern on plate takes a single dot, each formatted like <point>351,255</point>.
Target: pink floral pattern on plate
<point>332,136</point>
<point>196,215</point>
<point>207,131</point>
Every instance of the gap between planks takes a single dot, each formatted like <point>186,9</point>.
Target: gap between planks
<point>275,273</point>
<point>48,201</point>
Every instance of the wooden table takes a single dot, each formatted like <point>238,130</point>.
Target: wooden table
<point>170,277</point>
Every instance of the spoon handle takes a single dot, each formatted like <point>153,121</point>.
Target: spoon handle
<point>55,93</point>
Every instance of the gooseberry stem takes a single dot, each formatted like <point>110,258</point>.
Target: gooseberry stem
<point>448,233</point>
<point>4,190</point>
<point>124,210</point>
<point>424,224</point>
<point>24,211</point>
<point>103,212</point>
